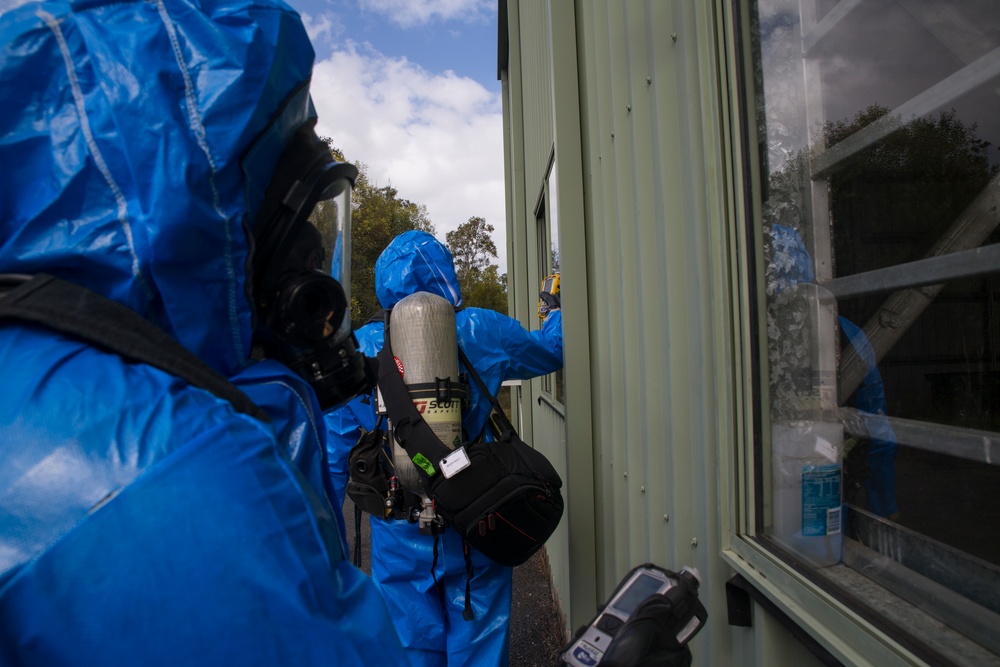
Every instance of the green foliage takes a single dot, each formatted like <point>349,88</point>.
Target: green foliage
<point>379,216</point>
<point>472,247</point>
<point>912,184</point>
<point>486,289</point>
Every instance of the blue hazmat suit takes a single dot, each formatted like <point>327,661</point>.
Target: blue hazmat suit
<point>880,484</point>
<point>144,521</point>
<point>426,600</point>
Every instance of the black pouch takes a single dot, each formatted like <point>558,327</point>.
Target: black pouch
<point>506,503</point>
<point>368,486</point>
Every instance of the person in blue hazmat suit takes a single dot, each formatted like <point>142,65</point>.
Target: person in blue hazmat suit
<point>424,586</point>
<point>794,265</point>
<point>161,155</point>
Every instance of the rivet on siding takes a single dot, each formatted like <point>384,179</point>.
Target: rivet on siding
<point>628,108</point>
<point>673,36</point>
<point>626,475</point>
<point>649,80</point>
<point>666,517</point>
<point>642,489</point>
<point>694,541</point>
<point>612,136</point>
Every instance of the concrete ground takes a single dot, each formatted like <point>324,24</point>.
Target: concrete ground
<point>536,634</point>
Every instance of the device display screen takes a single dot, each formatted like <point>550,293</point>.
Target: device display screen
<point>641,588</point>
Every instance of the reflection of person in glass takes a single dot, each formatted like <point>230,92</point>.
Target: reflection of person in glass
<point>793,265</point>
<point>880,483</point>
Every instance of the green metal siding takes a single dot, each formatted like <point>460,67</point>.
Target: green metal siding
<point>638,99</point>
<point>652,281</point>
<point>580,546</point>
<point>661,396</point>
<point>536,84</point>
<point>545,78</point>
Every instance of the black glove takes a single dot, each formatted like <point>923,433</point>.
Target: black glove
<point>644,642</point>
<point>547,303</point>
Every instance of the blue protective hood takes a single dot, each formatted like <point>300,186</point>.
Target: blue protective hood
<point>138,138</point>
<point>413,262</point>
<point>792,263</point>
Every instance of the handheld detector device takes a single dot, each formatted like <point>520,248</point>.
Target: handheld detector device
<point>688,615</point>
<point>550,284</point>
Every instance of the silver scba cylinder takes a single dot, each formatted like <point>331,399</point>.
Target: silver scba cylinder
<point>423,342</point>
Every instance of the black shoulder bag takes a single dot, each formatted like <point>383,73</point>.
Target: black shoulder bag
<point>502,496</point>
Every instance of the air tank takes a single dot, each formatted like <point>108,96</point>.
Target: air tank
<point>422,335</point>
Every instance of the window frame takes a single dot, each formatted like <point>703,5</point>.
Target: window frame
<point>852,630</point>
<point>546,228</point>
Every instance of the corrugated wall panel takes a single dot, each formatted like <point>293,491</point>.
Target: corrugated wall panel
<point>547,430</point>
<point>658,276</point>
<point>642,23</point>
<point>552,423</point>
<point>537,91</point>
<point>605,266</point>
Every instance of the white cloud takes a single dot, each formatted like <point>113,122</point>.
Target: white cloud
<point>325,27</point>
<point>410,13</point>
<point>436,137</point>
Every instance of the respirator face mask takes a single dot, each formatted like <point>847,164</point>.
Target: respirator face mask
<point>302,271</point>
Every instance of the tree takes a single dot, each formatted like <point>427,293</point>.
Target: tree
<point>472,247</point>
<point>379,216</point>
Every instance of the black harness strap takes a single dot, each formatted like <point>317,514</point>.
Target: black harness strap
<point>357,537</point>
<point>467,612</point>
<point>96,319</point>
<point>497,421</point>
<point>412,432</point>
<point>378,317</point>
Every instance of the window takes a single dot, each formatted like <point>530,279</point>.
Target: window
<point>878,216</point>
<point>547,217</point>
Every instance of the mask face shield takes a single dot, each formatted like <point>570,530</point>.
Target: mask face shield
<point>331,216</point>
<point>301,271</point>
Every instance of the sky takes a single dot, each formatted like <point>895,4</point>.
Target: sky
<point>409,88</point>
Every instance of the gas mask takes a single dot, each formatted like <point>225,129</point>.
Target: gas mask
<point>301,271</point>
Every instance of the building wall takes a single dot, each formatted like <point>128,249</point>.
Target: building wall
<point>638,105</point>
<point>663,383</point>
<point>539,85</point>
<point>646,266</point>
<point>645,439</point>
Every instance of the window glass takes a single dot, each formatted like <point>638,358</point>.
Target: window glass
<point>878,138</point>
<point>558,390</point>
<point>548,261</point>
<point>552,264</point>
